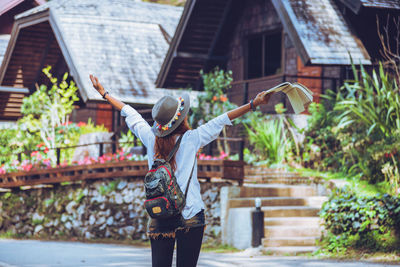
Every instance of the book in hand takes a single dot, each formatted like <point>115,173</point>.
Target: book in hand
<point>299,95</point>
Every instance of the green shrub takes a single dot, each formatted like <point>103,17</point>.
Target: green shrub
<point>270,138</point>
<point>362,222</point>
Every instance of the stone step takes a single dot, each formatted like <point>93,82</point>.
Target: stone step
<point>289,250</point>
<point>290,241</point>
<point>291,221</point>
<point>277,190</point>
<point>278,201</point>
<point>291,231</point>
<point>290,211</point>
<point>279,180</point>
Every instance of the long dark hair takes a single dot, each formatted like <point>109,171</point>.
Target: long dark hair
<point>163,145</point>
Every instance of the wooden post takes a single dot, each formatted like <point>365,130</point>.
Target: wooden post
<point>58,151</point>
<point>101,149</point>
<point>245,101</point>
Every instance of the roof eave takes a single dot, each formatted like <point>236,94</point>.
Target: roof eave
<point>68,55</point>
<point>291,30</point>
<point>18,25</point>
<point>172,51</point>
<point>42,16</point>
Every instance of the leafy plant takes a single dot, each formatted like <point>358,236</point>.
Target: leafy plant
<point>361,219</point>
<point>270,138</point>
<point>214,101</point>
<point>48,108</point>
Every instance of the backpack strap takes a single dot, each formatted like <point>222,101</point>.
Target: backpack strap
<point>171,154</point>
<point>190,178</point>
<point>175,148</point>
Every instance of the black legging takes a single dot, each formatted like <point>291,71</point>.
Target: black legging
<point>188,248</point>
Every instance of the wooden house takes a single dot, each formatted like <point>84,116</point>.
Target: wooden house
<point>266,42</point>
<point>11,98</point>
<point>123,42</point>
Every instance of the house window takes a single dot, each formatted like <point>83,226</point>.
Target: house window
<point>264,55</point>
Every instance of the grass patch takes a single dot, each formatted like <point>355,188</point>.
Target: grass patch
<point>359,255</point>
<point>218,248</point>
<point>358,186</point>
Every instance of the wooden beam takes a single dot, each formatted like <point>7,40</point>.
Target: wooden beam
<point>165,67</point>
<point>8,89</point>
<point>50,39</point>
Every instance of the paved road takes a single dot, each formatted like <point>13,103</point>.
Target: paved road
<point>32,253</point>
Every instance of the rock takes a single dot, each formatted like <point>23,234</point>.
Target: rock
<point>118,215</point>
<point>129,230</point>
<point>102,206</point>
<point>81,211</point>
<point>68,225</point>
<point>76,224</point>
<point>121,185</point>
<point>110,221</point>
<point>64,218</point>
<point>92,219</point>
<point>107,234</point>
<point>132,214</point>
<point>101,221</point>
<point>128,197</point>
<point>88,235</point>
<point>37,217</point>
<point>38,228</point>
<point>118,199</point>
<point>70,207</point>
<point>16,219</point>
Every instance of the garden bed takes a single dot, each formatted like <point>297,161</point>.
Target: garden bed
<point>224,169</point>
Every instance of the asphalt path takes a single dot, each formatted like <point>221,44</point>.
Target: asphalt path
<point>33,253</point>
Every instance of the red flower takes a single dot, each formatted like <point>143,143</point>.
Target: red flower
<point>46,149</point>
<point>40,145</point>
<point>81,123</point>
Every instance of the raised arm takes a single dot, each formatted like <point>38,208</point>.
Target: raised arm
<point>133,119</point>
<point>113,101</point>
<point>261,98</point>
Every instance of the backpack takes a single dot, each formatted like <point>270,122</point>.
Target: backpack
<point>164,198</point>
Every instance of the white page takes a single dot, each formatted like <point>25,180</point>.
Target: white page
<point>295,101</point>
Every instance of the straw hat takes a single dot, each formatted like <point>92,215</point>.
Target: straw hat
<point>168,113</point>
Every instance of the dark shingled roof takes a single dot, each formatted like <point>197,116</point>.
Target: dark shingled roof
<point>4,38</point>
<point>123,42</point>
<point>320,32</point>
<point>391,4</point>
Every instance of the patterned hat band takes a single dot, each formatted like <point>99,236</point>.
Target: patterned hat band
<point>168,125</point>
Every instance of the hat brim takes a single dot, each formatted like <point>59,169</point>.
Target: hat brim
<point>184,112</point>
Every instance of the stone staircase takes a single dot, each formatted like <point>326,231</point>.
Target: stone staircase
<point>291,221</point>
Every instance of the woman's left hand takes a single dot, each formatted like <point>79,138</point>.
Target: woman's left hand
<point>262,98</point>
<point>97,85</point>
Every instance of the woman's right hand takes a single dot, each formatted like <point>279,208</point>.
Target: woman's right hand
<point>97,85</point>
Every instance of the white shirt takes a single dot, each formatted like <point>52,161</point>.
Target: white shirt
<point>191,142</point>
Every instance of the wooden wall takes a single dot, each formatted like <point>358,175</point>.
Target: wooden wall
<point>259,16</point>
<point>36,47</point>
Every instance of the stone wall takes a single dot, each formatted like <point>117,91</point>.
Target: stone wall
<point>91,210</point>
